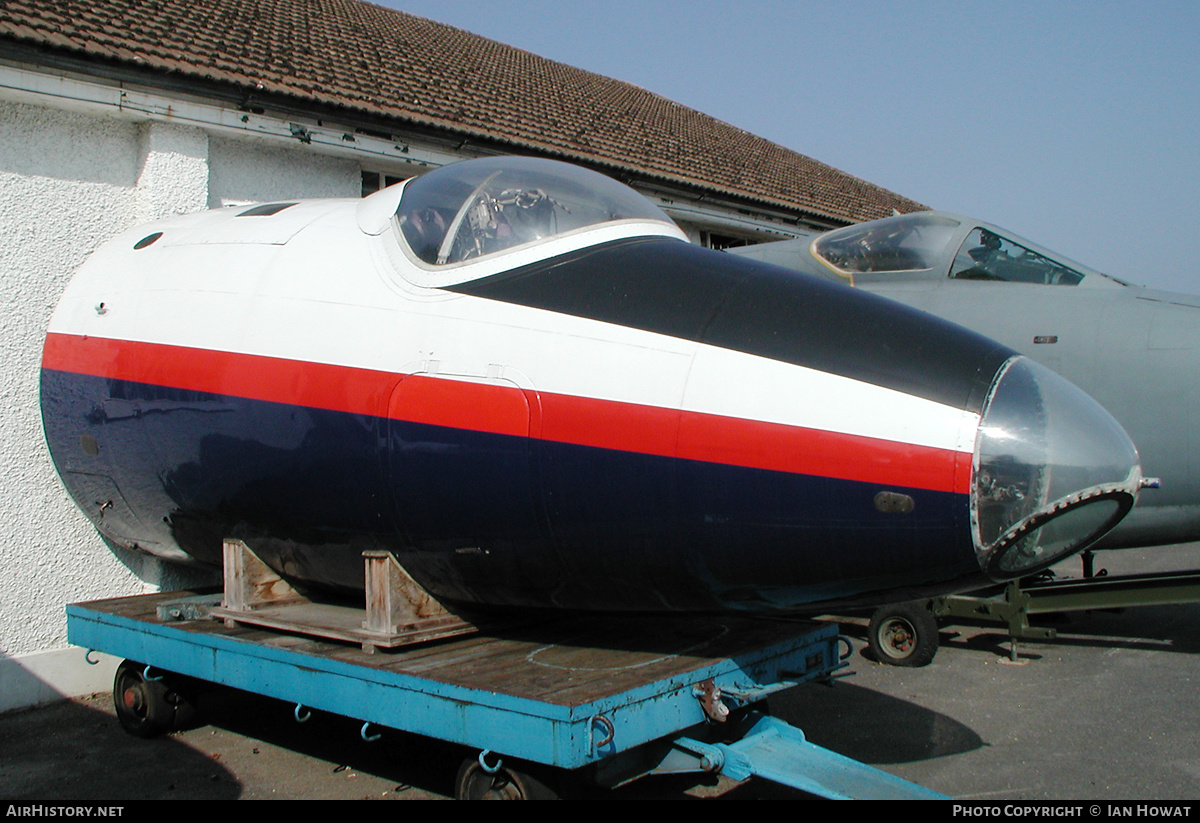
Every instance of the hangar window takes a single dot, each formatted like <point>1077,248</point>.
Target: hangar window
<point>721,242</point>
<point>985,255</point>
<point>373,181</point>
<point>480,207</point>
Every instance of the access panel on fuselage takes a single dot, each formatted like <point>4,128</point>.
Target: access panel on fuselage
<point>460,472</point>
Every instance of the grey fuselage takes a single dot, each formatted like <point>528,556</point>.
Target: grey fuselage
<point>1134,349</point>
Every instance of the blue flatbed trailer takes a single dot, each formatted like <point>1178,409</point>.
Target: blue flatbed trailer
<point>615,698</point>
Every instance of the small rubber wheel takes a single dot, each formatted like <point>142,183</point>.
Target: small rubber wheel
<point>148,708</point>
<point>903,634</point>
<point>476,783</point>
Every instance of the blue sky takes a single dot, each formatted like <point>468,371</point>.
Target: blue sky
<point>1076,125</point>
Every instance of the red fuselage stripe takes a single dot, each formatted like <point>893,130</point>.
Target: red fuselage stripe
<point>497,409</point>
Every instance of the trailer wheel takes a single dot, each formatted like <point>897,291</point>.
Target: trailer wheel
<point>148,708</point>
<point>476,783</point>
<point>903,634</point>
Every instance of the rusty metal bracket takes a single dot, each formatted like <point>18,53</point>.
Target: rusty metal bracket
<point>709,695</point>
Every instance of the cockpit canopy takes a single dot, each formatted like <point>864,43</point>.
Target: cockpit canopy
<point>476,208</point>
<point>943,245</point>
<point>908,242</point>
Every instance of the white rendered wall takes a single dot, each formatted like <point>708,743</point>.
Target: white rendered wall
<point>69,182</point>
<point>244,171</point>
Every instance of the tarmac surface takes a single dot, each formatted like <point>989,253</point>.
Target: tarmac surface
<point>1107,710</point>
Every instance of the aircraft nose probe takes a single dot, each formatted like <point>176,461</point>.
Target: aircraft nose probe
<point>1053,472</point>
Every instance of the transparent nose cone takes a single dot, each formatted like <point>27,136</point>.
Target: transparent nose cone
<point>1053,472</point>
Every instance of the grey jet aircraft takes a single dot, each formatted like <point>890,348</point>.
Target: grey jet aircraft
<point>1134,349</point>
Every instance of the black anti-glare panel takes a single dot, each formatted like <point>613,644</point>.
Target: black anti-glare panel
<point>674,288</point>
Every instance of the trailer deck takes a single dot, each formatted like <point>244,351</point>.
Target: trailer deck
<point>620,697</point>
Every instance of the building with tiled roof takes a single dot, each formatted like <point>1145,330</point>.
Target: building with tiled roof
<point>115,112</point>
<point>395,72</point>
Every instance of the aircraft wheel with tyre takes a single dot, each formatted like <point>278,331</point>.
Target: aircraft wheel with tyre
<point>903,634</point>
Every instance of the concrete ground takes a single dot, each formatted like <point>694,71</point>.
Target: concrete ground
<point>1107,710</point>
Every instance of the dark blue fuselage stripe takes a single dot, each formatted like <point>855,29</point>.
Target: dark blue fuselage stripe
<point>477,516</point>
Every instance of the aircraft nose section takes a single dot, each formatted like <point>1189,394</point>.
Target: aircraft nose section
<point>1054,471</point>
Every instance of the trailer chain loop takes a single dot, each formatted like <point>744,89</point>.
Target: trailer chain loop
<point>483,763</point>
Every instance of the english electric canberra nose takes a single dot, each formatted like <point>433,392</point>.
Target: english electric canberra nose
<point>517,377</point>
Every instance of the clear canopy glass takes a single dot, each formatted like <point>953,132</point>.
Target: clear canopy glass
<point>1053,471</point>
<point>909,242</point>
<point>986,255</point>
<point>479,207</point>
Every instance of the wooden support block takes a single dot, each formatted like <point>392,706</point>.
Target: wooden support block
<point>394,600</point>
<point>397,606</point>
<point>251,583</point>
